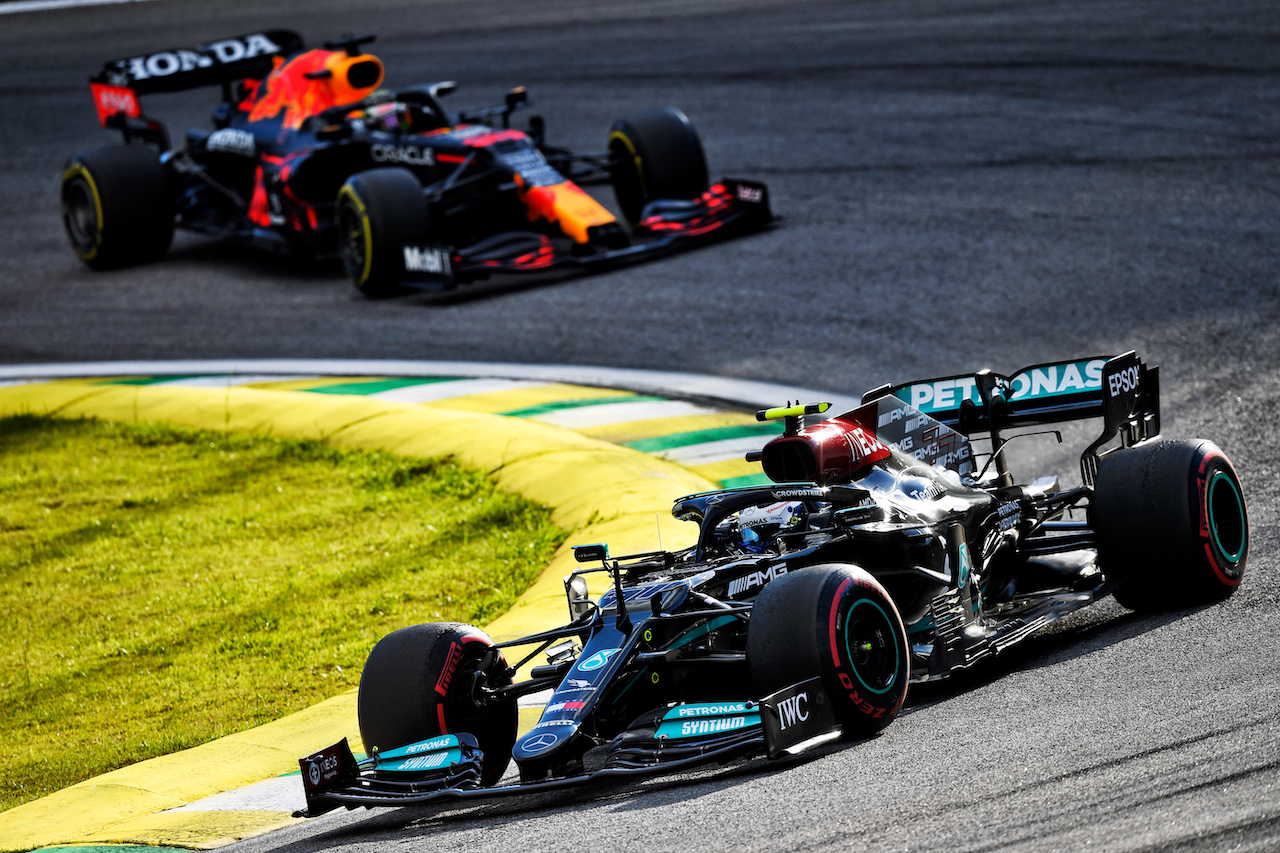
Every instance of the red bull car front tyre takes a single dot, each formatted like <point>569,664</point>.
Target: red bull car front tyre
<point>378,213</point>
<point>655,155</point>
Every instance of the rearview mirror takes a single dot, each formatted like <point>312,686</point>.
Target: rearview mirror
<point>591,553</point>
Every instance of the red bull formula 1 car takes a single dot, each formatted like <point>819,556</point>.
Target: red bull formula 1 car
<point>308,156</point>
<point>889,551</point>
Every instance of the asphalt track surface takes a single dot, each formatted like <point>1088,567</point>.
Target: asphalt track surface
<point>965,184</point>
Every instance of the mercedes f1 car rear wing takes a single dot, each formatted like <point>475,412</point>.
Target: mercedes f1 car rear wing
<point>1121,389</point>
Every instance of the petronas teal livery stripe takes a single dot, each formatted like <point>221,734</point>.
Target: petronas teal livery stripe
<point>706,628</point>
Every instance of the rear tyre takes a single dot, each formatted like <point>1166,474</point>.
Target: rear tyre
<point>1171,521</point>
<point>425,680</point>
<point>655,155</point>
<point>836,621</point>
<point>378,212</point>
<point>116,206</point>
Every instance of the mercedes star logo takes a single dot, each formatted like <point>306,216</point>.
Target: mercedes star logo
<point>538,743</point>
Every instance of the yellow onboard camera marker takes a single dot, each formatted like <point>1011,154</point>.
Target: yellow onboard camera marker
<point>780,412</point>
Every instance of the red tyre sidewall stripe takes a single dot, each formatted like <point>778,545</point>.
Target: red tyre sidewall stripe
<point>837,662</point>
<point>1202,494</point>
<point>831,622</point>
<point>457,647</point>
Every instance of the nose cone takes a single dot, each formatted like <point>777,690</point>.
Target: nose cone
<point>548,750</point>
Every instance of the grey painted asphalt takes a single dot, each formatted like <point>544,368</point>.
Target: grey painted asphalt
<point>966,183</point>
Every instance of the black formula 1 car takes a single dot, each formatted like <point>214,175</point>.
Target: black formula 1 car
<point>308,156</point>
<point>887,553</point>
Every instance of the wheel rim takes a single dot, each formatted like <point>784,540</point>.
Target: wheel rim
<point>459,709</point>
<point>80,214</point>
<point>1226,517</point>
<point>352,246</point>
<point>870,642</point>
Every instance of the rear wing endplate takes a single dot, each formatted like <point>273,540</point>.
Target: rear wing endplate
<point>218,62</point>
<point>1121,389</point>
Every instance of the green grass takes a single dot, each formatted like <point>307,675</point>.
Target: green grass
<point>164,587</point>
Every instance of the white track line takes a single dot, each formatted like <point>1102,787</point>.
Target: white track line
<point>604,414</point>
<point>431,391</point>
<point>229,380</point>
<point>280,794</point>
<point>535,700</point>
<point>44,5</point>
<point>714,451</point>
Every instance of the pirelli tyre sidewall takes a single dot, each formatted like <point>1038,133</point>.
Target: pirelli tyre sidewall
<point>655,155</point>
<point>1172,524</point>
<point>377,213</point>
<point>837,621</point>
<point>117,208</point>
<point>418,683</point>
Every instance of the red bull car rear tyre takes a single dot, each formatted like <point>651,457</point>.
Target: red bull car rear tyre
<point>116,206</point>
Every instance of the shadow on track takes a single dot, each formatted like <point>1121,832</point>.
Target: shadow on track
<point>1102,625</point>
<point>240,259</point>
<point>253,263</point>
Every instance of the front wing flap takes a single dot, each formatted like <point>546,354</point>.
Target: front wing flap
<point>728,208</point>
<point>668,740</point>
<point>332,776</point>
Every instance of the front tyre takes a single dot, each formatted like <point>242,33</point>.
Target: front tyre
<point>1171,521</point>
<point>378,212</point>
<point>428,680</point>
<point>116,206</point>
<point>655,155</point>
<point>836,621</point>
